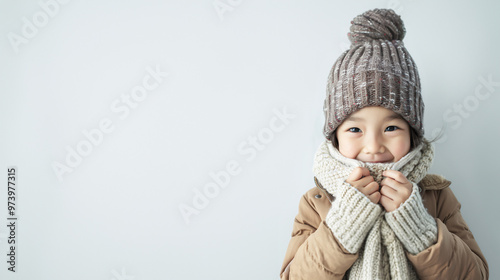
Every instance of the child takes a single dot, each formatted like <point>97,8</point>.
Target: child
<point>375,212</point>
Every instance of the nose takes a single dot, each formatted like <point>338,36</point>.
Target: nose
<point>374,144</point>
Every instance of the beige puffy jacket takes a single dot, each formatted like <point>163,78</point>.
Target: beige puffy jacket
<point>314,253</point>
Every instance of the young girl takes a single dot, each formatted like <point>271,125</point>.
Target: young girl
<point>375,213</point>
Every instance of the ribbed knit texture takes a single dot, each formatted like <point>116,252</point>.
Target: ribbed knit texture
<point>376,70</point>
<point>351,217</point>
<point>416,229</point>
<point>363,227</point>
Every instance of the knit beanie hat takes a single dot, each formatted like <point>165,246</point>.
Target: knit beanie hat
<point>377,70</point>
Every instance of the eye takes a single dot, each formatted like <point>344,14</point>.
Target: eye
<point>392,128</point>
<point>354,129</point>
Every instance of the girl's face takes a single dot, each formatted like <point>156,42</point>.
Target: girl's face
<point>374,134</point>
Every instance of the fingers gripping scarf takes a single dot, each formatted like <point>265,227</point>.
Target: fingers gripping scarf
<point>363,227</point>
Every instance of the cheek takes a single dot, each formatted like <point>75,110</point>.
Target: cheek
<point>348,149</point>
<point>400,149</point>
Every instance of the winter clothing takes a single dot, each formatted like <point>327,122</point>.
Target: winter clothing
<point>318,250</point>
<point>363,226</point>
<point>339,233</point>
<point>377,70</point>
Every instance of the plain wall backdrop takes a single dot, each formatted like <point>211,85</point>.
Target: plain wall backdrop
<point>122,115</point>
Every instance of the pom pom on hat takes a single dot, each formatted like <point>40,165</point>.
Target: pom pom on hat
<point>376,24</point>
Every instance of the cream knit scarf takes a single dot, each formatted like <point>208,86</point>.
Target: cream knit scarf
<point>364,227</point>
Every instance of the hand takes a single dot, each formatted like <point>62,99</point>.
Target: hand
<point>361,180</point>
<point>395,190</point>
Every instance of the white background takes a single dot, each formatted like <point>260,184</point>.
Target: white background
<point>116,214</point>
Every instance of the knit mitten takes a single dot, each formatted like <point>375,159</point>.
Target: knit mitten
<point>351,217</point>
<point>412,224</point>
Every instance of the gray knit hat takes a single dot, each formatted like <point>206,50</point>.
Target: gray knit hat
<point>377,70</point>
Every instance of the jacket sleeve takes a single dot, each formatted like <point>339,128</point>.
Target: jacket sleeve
<point>313,252</point>
<point>456,254</point>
